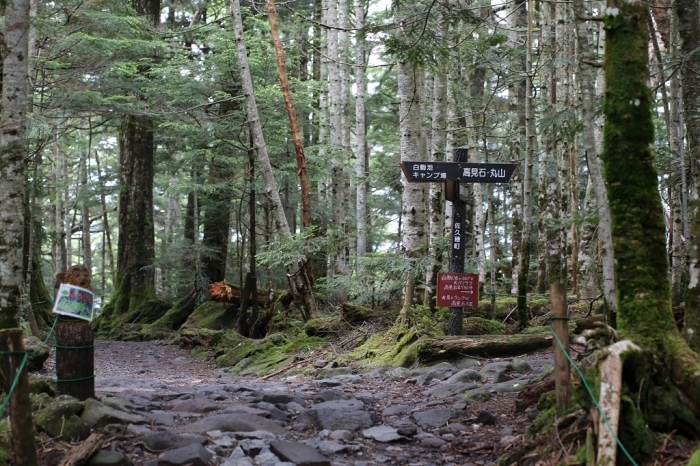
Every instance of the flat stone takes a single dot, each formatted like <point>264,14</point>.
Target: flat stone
<point>281,398</point>
<point>434,417</point>
<point>245,409</point>
<point>193,455</point>
<point>337,419</point>
<point>396,410</point>
<point>109,458</point>
<point>165,440</point>
<point>446,390</point>
<point>384,434</point>
<point>98,415</point>
<point>160,417</point>
<point>298,453</point>
<point>351,404</point>
<point>198,404</point>
<point>465,375</point>
<point>234,422</point>
<point>330,395</point>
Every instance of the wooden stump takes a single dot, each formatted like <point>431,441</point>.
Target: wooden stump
<point>22,427</point>
<point>75,363</point>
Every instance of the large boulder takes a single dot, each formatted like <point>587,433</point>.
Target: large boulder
<point>61,419</point>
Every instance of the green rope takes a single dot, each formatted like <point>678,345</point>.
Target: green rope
<point>14,383</point>
<point>74,347</point>
<point>590,393</point>
<point>79,379</point>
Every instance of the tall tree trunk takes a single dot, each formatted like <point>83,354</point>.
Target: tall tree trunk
<point>291,113</point>
<point>413,194</point>
<point>360,136</point>
<point>85,203</point>
<point>301,287</point>
<point>586,81</point>
<point>13,152</point>
<point>530,136</point>
<point>689,29</point>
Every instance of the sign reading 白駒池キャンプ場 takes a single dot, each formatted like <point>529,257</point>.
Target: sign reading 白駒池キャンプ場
<point>74,301</point>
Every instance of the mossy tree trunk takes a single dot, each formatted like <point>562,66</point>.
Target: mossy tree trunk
<point>689,30</point>
<point>666,377</point>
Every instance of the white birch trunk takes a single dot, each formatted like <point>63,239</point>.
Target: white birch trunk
<point>360,136</point>
<point>591,143</point>
<point>413,198</point>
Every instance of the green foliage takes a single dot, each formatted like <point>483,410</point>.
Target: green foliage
<point>294,250</point>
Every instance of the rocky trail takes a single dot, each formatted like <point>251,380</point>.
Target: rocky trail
<point>157,405</point>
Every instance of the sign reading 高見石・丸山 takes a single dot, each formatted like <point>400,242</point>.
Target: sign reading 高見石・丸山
<point>465,172</point>
<point>74,301</point>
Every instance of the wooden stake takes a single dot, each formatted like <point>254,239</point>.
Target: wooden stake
<point>22,427</point>
<point>562,370</point>
<point>610,389</point>
<point>75,359</point>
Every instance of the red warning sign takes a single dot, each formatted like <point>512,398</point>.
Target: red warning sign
<point>458,289</point>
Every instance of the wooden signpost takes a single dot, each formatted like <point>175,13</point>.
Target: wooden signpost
<point>453,173</point>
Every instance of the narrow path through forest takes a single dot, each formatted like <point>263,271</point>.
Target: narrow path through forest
<point>386,416</point>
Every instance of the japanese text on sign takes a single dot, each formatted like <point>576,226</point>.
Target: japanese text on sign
<point>426,171</point>
<point>458,290</point>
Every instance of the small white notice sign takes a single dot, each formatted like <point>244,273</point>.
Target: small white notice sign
<point>74,301</point>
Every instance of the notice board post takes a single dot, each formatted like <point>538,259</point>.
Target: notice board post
<point>454,325</point>
<point>75,350</point>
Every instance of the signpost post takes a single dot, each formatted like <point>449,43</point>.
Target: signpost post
<point>452,173</point>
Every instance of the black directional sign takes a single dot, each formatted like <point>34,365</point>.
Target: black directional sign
<point>430,172</point>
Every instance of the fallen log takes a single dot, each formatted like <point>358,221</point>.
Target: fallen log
<point>80,454</point>
<point>482,345</point>
<point>223,292</point>
<point>531,394</point>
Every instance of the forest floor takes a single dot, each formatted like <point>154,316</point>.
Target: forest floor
<point>478,433</point>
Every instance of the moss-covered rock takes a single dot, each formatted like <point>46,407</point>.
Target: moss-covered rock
<point>5,442</point>
<point>398,346</point>
<point>200,337</point>
<point>481,326</point>
<point>42,385</point>
<point>212,315</point>
<point>695,459</point>
<point>116,325</point>
<point>60,419</point>
<point>236,347</point>
<point>323,326</point>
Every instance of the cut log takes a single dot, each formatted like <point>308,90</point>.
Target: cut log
<point>223,292</point>
<point>80,454</point>
<point>75,360</point>
<point>483,345</point>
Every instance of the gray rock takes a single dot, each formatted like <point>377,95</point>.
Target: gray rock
<point>397,373</point>
<point>193,455</point>
<point>337,419</point>
<point>496,371</point>
<point>328,447</point>
<point>344,435</point>
<point>396,410</point>
<point>465,375</point>
<point>434,417</point>
<point>252,447</point>
<point>60,419</point>
<point>234,408</point>
<point>282,398</point>
<point>486,418</point>
<point>109,458</point>
<point>298,453</point>
<point>446,390</point>
<point>439,371</point>
<point>330,395</point>
<point>98,415</point>
<point>163,418</point>
<point>198,404</point>
<point>350,404</point>
<point>256,434</point>
<point>482,393</point>
<point>384,434</point>
<point>233,422</point>
<point>430,441</point>
<point>320,363</point>
<point>333,372</point>
<point>165,440</point>
<point>138,431</point>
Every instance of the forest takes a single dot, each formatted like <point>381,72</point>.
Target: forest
<point>251,153</point>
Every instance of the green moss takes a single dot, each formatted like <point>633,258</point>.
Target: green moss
<point>212,315</point>
<point>397,346</point>
<point>634,433</point>
<point>537,330</point>
<point>114,325</point>
<point>695,459</point>
<point>200,337</point>
<point>5,442</point>
<point>323,326</point>
<point>546,401</point>
<point>481,326</point>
